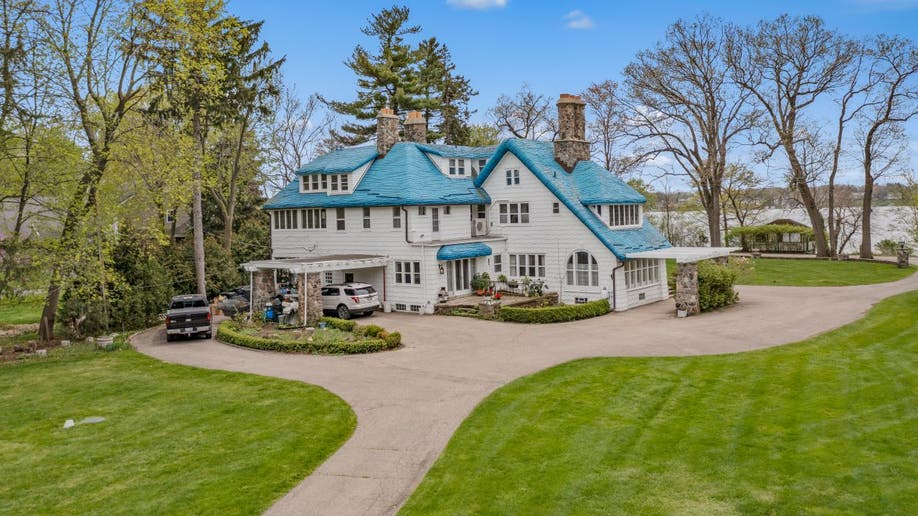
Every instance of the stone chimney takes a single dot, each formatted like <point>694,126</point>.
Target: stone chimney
<point>416,127</point>
<point>386,130</point>
<point>571,145</point>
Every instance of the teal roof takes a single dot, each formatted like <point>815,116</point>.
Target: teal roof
<point>587,184</point>
<point>340,161</point>
<point>403,177</point>
<point>459,151</point>
<point>460,251</point>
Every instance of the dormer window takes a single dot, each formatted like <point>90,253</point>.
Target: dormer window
<point>624,215</point>
<point>513,177</point>
<point>321,182</point>
<point>456,167</point>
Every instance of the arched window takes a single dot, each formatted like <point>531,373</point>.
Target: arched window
<point>582,270</point>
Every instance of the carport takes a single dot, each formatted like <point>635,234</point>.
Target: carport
<point>687,259</point>
<point>307,272</point>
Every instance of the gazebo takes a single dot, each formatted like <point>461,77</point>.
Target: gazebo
<point>778,236</point>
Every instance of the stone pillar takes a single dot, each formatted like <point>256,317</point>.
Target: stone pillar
<point>416,127</point>
<point>262,289</point>
<point>386,130</point>
<point>313,294</point>
<point>571,145</point>
<point>687,288</point>
<point>902,256</point>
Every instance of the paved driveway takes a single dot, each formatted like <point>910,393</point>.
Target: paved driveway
<point>410,401</point>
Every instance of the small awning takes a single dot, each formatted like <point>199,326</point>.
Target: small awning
<point>684,254</point>
<point>460,251</point>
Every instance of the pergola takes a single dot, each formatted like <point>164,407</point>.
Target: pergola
<point>308,281</point>
<point>687,259</point>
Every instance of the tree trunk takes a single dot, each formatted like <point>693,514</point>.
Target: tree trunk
<point>198,230</point>
<point>228,230</point>
<point>867,217</point>
<point>809,201</point>
<point>714,224</point>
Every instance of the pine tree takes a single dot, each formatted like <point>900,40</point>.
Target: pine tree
<point>445,94</point>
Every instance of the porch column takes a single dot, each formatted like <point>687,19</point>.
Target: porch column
<point>301,298</point>
<point>313,298</point>
<point>262,288</point>
<point>687,288</point>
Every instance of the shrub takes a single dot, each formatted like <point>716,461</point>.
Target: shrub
<point>230,333</point>
<point>553,314</point>
<point>715,285</point>
<point>339,324</point>
<point>370,330</point>
<point>481,281</point>
<point>889,247</point>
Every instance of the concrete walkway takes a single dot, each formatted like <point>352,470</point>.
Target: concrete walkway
<point>410,401</point>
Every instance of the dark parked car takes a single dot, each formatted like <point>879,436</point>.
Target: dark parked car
<point>188,315</point>
<point>235,301</point>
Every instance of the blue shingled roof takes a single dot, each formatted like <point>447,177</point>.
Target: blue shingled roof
<point>404,176</point>
<point>587,184</point>
<point>340,161</point>
<point>460,251</point>
<point>459,151</point>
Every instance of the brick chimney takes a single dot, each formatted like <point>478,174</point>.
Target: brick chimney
<point>386,130</point>
<point>571,145</point>
<point>416,127</point>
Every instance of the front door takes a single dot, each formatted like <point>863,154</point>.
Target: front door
<point>459,276</point>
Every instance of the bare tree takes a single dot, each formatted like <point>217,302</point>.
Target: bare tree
<point>607,126</point>
<point>94,46</point>
<point>683,103</point>
<point>741,197</point>
<point>526,115</point>
<point>294,135</point>
<point>788,64</point>
<point>892,102</point>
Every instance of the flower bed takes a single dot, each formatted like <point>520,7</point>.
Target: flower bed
<point>340,337</point>
<point>554,314</point>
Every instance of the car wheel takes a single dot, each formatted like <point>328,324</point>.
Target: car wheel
<point>370,313</point>
<point>208,335</point>
<point>170,338</point>
<point>343,312</point>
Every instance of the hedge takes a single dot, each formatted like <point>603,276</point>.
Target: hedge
<point>715,285</point>
<point>554,314</point>
<point>227,332</point>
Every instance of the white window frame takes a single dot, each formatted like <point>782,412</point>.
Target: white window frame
<point>435,220</point>
<point>286,219</point>
<point>513,176</point>
<point>396,217</point>
<point>367,213</point>
<point>582,269</point>
<point>513,213</point>
<point>407,272</point>
<point>641,273</point>
<point>498,263</point>
<point>313,218</point>
<point>340,219</point>
<point>625,215</point>
<point>527,265</point>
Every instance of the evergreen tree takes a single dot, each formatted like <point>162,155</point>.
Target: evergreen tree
<point>445,94</point>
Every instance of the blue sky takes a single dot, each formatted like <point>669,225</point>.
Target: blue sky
<point>554,47</point>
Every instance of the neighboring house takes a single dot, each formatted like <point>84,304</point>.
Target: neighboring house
<point>412,218</point>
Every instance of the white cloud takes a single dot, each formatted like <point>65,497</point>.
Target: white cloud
<point>478,5</point>
<point>578,20</point>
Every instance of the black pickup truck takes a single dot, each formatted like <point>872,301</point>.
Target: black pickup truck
<point>188,315</point>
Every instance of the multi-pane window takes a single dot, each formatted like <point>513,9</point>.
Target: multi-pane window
<point>286,219</point>
<point>624,215</point>
<point>396,217</point>
<point>408,273</point>
<point>481,211</point>
<point>329,277</point>
<point>366,218</point>
<point>456,167</point>
<point>532,265</point>
<point>556,207</point>
<point>446,210</point>
<point>435,220</point>
<point>481,166</point>
<point>498,263</point>
<point>339,219</point>
<point>514,213</point>
<point>582,270</point>
<point>641,272</point>
<point>422,210</point>
<point>321,182</point>
<point>313,218</point>
<point>513,177</point>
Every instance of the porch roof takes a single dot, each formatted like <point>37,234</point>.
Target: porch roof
<point>684,254</point>
<point>333,262</point>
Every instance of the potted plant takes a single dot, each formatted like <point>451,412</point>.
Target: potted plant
<point>481,282</point>
<point>513,284</point>
<point>498,295</point>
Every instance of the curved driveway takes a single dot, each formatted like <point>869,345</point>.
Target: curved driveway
<point>410,401</point>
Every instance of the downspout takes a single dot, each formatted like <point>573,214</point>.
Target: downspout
<point>406,225</point>
<point>614,296</point>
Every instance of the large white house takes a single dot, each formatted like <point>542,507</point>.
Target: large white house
<point>412,218</point>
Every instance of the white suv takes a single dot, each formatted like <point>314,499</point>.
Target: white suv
<point>350,298</point>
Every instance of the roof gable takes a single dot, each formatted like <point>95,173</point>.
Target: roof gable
<point>340,161</point>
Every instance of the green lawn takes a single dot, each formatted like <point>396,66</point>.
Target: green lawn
<point>819,273</point>
<point>24,311</point>
<point>828,425</point>
<point>176,439</point>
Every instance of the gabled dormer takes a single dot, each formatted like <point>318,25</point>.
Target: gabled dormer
<point>338,172</point>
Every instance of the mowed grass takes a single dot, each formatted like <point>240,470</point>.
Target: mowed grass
<point>819,273</point>
<point>22,311</point>
<point>828,425</point>
<point>175,440</point>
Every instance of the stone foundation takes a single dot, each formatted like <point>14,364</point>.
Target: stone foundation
<point>687,288</point>
<point>262,289</point>
<point>313,298</point>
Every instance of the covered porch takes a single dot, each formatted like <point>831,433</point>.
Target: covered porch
<point>307,273</point>
<point>687,259</point>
